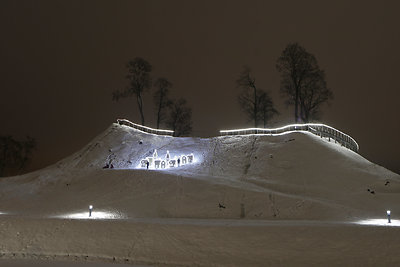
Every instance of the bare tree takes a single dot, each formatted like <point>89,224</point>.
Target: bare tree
<point>180,117</point>
<point>255,103</point>
<point>315,93</point>
<point>248,97</point>
<point>266,107</point>
<point>302,82</point>
<point>15,155</point>
<point>161,100</point>
<point>139,80</point>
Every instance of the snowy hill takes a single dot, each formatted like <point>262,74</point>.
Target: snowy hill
<point>256,200</point>
<point>293,176</point>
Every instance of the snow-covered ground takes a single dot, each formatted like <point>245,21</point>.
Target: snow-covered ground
<point>44,263</point>
<point>239,188</point>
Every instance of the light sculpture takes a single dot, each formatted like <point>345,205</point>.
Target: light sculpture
<point>143,163</point>
<point>155,162</point>
<point>150,160</point>
<point>190,158</point>
<point>172,163</point>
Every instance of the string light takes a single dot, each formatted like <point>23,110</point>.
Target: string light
<point>288,129</point>
<point>144,128</point>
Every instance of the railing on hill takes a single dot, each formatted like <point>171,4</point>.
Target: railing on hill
<point>321,130</point>
<point>144,128</point>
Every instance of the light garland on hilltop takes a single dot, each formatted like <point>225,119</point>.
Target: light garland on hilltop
<point>290,129</point>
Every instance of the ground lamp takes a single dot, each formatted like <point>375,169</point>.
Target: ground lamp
<point>90,210</point>
<point>388,215</point>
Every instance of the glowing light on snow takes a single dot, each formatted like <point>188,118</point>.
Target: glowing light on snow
<point>286,130</point>
<point>379,222</point>
<point>105,215</point>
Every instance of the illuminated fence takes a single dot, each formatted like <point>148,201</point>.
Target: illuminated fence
<point>144,128</point>
<point>321,130</point>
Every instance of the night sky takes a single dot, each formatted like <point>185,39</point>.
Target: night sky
<point>60,61</point>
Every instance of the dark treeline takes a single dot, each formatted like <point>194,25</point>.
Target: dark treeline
<point>255,103</point>
<point>15,155</point>
<point>173,113</point>
<point>303,85</point>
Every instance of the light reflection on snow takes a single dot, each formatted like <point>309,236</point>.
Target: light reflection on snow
<point>379,222</point>
<point>95,215</point>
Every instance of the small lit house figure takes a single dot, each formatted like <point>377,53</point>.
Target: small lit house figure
<point>157,163</point>
<point>172,163</point>
<point>183,160</point>
<point>190,158</point>
<point>163,164</point>
<point>167,157</point>
<point>155,155</point>
<point>143,163</point>
<point>150,160</point>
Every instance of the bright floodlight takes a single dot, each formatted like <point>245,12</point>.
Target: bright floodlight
<point>388,215</point>
<point>90,210</point>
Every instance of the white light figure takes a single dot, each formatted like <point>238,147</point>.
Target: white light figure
<point>150,160</point>
<point>157,163</point>
<point>163,164</point>
<point>172,163</point>
<point>143,163</point>
<point>388,215</point>
<point>90,210</point>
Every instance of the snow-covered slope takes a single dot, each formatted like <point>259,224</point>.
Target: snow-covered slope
<point>293,176</point>
<point>288,200</point>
